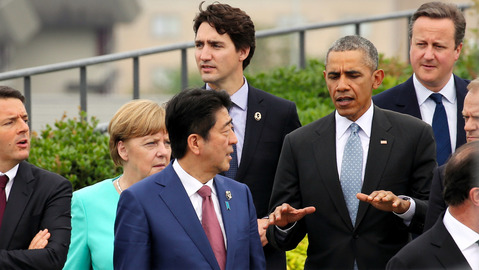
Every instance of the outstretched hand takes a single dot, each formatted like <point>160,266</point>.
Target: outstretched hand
<point>285,214</point>
<point>385,201</point>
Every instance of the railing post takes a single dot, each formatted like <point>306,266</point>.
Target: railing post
<point>184,69</point>
<point>302,53</point>
<point>357,29</point>
<point>136,78</point>
<point>27,89</point>
<point>83,101</point>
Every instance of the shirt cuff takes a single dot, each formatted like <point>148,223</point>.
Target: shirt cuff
<point>409,214</point>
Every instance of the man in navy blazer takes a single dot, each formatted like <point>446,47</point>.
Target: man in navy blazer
<point>436,32</point>
<point>453,242</point>
<point>225,44</point>
<point>470,114</point>
<point>35,224</point>
<point>159,219</point>
<point>397,158</point>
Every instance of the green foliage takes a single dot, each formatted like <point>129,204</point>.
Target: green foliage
<point>74,150</point>
<point>296,258</point>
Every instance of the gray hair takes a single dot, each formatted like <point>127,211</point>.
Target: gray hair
<point>473,86</point>
<point>356,43</point>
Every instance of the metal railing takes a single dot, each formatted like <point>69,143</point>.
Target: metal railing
<point>135,55</point>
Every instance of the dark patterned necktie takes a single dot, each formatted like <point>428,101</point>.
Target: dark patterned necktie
<point>3,196</point>
<point>441,130</point>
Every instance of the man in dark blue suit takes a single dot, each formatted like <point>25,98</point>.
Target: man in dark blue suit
<point>453,241</point>
<point>225,44</point>
<point>162,220</point>
<point>436,32</point>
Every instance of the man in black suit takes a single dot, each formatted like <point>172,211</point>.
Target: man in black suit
<point>225,43</point>
<point>395,156</point>
<point>453,242</point>
<point>436,32</point>
<point>34,203</point>
<point>470,114</point>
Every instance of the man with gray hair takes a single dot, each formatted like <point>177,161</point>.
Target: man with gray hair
<point>433,93</point>
<point>343,173</point>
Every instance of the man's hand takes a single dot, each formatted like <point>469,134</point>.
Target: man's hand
<point>385,201</point>
<point>262,225</point>
<point>40,240</point>
<point>285,214</point>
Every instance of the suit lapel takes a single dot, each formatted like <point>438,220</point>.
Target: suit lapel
<point>177,200</point>
<point>461,91</point>
<point>448,253</point>
<point>17,201</point>
<point>380,145</point>
<point>253,129</point>
<point>327,169</point>
<point>407,102</point>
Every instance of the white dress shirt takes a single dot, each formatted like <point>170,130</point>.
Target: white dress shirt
<point>465,239</point>
<point>428,106</point>
<point>238,113</point>
<point>192,185</point>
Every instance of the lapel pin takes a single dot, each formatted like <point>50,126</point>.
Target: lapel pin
<point>384,142</point>
<point>228,195</point>
<point>227,206</point>
<point>257,116</point>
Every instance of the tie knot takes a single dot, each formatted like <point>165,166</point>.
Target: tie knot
<point>3,181</point>
<point>204,191</point>
<point>354,128</point>
<point>436,97</point>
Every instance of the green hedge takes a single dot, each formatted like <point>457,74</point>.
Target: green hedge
<point>74,149</point>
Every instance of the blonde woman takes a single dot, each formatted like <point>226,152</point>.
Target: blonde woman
<point>139,143</point>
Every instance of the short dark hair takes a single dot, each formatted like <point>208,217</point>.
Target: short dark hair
<point>439,10</point>
<point>8,92</point>
<point>356,43</point>
<point>462,173</point>
<point>192,111</point>
<point>232,21</point>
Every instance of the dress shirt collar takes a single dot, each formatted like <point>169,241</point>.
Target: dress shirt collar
<point>240,97</point>
<point>191,184</point>
<point>448,91</point>
<point>11,173</point>
<point>364,122</point>
<point>462,235</point>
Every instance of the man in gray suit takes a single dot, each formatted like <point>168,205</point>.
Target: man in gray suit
<point>346,172</point>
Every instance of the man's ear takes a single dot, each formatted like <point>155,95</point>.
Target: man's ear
<point>195,143</point>
<point>243,53</point>
<point>474,195</point>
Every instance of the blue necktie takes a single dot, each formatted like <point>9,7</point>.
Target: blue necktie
<point>231,173</point>
<point>441,130</point>
<point>351,171</point>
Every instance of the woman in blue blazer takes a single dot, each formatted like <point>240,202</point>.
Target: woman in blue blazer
<point>139,143</point>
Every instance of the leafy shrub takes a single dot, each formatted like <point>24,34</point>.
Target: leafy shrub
<point>74,150</point>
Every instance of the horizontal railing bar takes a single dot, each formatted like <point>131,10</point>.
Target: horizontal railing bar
<point>180,46</point>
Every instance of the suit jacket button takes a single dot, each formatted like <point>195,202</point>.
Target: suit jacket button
<point>356,236</point>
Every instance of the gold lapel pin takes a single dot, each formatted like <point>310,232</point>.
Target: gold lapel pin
<point>228,195</point>
<point>384,142</point>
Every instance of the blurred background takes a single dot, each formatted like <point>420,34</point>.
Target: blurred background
<point>35,33</point>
